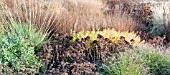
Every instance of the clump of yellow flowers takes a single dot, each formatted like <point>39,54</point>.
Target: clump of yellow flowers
<point>109,33</point>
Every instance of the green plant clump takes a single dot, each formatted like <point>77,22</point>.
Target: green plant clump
<point>159,65</point>
<point>17,49</point>
<point>127,64</point>
<point>138,61</point>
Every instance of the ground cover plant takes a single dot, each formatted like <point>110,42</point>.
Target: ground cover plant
<point>81,37</point>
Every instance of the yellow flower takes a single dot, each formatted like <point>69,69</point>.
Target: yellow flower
<point>111,34</point>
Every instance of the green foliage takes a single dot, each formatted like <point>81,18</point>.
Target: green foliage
<point>159,65</point>
<point>27,32</point>
<point>127,64</point>
<point>157,30</point>
<point>17,49</point>
<point>139,61</point>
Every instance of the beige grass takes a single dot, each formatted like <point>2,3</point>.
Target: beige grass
<point>64,15</point>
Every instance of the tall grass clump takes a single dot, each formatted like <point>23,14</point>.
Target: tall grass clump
<point>121,22</point>
<point>65,15</point>
<point>40,14</point>
<point>18,42</point>
<point>51,16</point>
<point>83,15</point>
<point>142,60</point>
